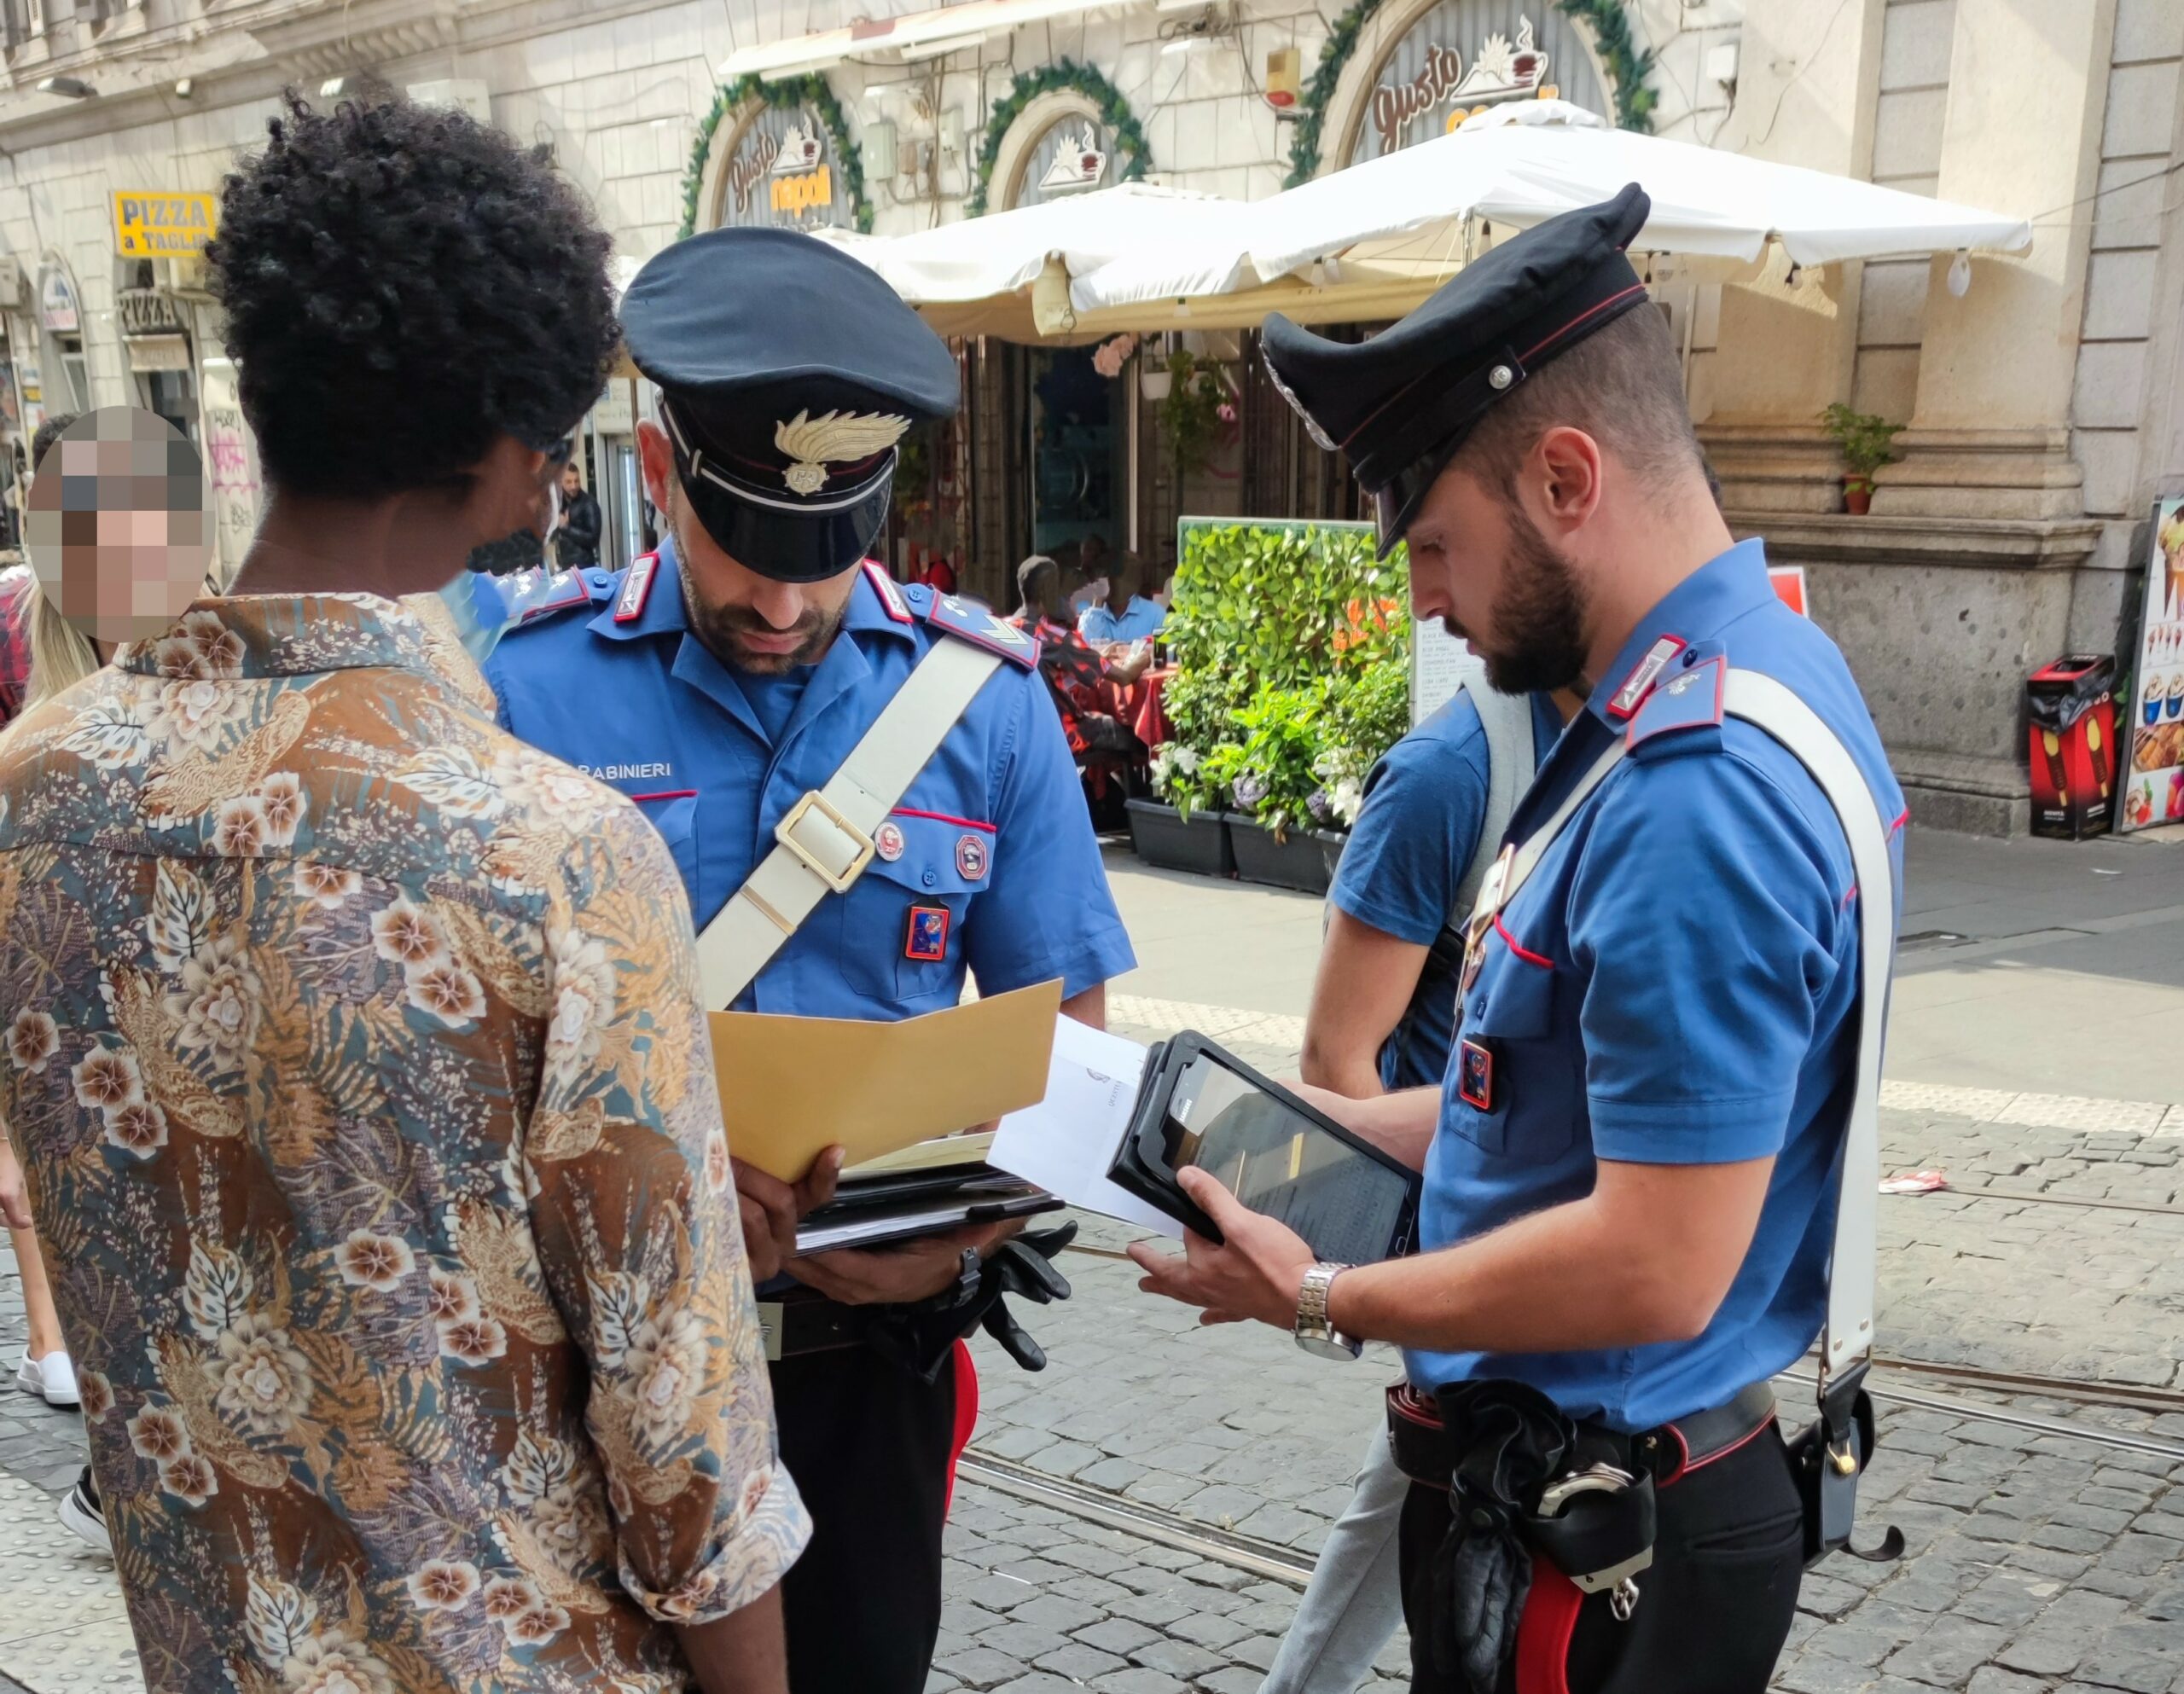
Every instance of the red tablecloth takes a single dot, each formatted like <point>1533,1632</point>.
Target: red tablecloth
<point>1141,706</point>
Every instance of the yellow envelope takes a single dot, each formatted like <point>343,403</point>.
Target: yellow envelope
<point>790,1087</point>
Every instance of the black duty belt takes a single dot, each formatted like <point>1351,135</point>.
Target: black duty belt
<point>804,1321</point>
<point>1578,1494</point>
<point>1425,1453</point>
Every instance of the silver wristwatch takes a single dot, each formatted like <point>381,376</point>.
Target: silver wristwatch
<point>1315,1334</point>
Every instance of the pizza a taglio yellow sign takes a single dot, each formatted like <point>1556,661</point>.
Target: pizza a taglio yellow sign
<point>155,224</point>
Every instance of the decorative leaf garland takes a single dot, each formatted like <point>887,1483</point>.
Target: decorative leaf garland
<point>1063,74</point>
<point>1334,54</point>
<point>1627,66</point>
<point>811,90</point>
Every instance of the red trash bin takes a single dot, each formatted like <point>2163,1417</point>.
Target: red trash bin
<point>2070,714</point>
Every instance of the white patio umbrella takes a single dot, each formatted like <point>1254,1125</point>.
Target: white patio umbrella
<point>997,274</point>
<point>1393,228</point>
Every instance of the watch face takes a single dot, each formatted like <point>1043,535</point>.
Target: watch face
<point>1326,1347</point>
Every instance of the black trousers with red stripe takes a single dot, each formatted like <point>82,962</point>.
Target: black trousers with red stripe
<point>873,1450</point>
<point>1713,1613</point>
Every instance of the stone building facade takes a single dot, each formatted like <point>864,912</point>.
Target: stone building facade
<point>2039,401</point>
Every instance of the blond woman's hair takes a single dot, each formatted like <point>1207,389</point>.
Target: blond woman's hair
<point>61,655</point>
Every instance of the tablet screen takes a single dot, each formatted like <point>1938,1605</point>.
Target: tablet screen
<point>1345,1204</point>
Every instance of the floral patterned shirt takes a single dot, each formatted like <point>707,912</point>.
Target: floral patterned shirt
<point>354,1057</point>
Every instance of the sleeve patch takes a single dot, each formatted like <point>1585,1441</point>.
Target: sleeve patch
<point>981,628</point>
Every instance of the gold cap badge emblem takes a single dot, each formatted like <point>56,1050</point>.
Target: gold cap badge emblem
<point>832,437</point>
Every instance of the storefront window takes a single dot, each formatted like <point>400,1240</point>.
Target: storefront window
<point>75,372</point>
<point>1078,436</point>
<point>173,395</point>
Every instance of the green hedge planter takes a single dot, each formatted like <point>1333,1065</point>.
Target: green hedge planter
<point>1161,837</point>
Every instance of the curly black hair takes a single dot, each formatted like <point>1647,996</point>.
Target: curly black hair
<point>47,433</point>
<point>404,285</point>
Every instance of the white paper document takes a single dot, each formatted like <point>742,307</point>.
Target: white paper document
<point>1065,1143</point>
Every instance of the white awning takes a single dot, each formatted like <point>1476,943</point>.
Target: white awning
<point>1403,218</point>
<point>905,39</point>
<point>1008,273</point>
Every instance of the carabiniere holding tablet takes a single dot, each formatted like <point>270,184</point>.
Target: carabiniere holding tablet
<point>1670,1020</point>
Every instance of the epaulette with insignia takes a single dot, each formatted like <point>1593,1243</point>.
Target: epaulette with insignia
<point>564,590</point>
<point>1682,712</point>
<point>981,628</point>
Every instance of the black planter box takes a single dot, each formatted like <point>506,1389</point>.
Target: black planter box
<point>1306,862</point>
<point>1332,842</point>
<point>1161,837</point>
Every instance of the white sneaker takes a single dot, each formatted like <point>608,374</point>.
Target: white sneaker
<point>52,1378</point>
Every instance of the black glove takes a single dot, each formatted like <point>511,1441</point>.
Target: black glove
<point>1023,1267</point>
<point>1514,1441</point>
<point>920,1337</point>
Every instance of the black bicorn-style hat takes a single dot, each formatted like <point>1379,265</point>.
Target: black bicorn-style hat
<point>789,372</point>
<point>1402,403</point>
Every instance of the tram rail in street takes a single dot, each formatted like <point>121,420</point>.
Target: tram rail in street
<point>1115,1511</point>
<point>1154,1524</point>
<point>2122,1396</point>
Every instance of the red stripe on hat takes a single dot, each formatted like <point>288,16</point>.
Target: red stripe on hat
<point>1612,299</point>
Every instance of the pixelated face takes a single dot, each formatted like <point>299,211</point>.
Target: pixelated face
<point>117,524</point>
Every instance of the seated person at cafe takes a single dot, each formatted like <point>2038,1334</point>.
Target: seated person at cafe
<point>1084,565</point>
<point>1124,615</point>
<point>1083,682</point>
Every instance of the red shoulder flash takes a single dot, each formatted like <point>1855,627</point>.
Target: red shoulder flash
<point>636,588</point>
<point>890,595</point>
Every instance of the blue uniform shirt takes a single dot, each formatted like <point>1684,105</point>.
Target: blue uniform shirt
<point>644,705</point>
<point>1677,983</point>
<point>1142,616</point>
<point>1414,838</point>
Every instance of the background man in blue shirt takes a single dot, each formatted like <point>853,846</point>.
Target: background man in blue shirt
<point>1124,615</point>
<point>1630,1174</point>
<point>1384,1001</point>
<point>1383,1018</point>
<point>718,684</point>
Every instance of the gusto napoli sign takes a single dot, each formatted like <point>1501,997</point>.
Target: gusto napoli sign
<point>1502,70</point>
<point>783,151</point>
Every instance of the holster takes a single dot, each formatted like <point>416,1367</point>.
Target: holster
<point>1588,1511</point>
<point>1827,1457</point>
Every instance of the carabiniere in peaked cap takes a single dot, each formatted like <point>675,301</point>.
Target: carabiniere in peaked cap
<point>1401,404</point>
<point>789,373</point>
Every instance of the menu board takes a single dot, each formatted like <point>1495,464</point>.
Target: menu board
<point>2153,790</point>
<point>1438,665</point>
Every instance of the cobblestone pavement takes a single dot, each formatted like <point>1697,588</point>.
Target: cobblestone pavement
<point>2038,1564</point>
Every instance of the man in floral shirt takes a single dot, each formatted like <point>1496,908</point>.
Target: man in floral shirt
<point>352,1049</point>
